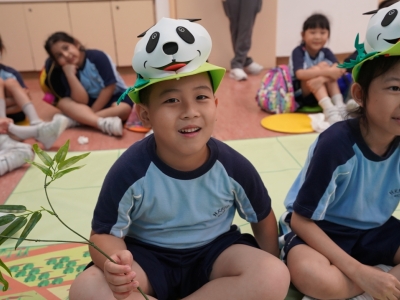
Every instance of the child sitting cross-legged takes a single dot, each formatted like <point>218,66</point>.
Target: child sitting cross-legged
<point>341,239</point>
<point>166,207</point>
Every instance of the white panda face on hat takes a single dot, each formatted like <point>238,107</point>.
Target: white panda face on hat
<point>383,29</point>
<point>170,47</point>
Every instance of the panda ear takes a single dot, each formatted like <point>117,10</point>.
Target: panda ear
<point>193,20</point>
<point>371,12</point>
<point>142,34</point>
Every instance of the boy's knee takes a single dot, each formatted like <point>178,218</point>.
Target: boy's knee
<point>274,279</point>
<point>86,285</point>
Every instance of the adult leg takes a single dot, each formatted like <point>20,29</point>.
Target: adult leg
<point>19,95</point>
<point>243,272</point>
<point>232,11</point>
<point>314,275</point>
<point>246,15</point>
<point>91,284</point>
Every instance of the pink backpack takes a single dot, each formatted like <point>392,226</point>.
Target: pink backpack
<point>276,94</point>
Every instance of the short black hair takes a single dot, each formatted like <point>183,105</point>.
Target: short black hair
<point>387,3</point>
<point>316,21</point>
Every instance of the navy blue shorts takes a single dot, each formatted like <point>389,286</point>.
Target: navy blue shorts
<point>17,117</point>
<point>113,99</point>
<point>370,247</point>
<point>308,100</point>
<point>177,273</point>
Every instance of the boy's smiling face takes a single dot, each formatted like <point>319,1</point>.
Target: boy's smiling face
<point>182,114</point>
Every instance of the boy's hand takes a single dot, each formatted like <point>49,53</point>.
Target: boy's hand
<point>120,276</point>
<point>4,123</point>
<point>378,284</point>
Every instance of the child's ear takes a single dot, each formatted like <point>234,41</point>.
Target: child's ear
<point>143,114</point>
<point>357,93</point>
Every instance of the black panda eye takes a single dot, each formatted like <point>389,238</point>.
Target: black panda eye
<point>185,34</point>
<point>390,16</point>
<point>153,41</point>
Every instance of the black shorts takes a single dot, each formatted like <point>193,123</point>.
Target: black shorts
<point>370,247</point>
<point>17,117</point>
<point>177,273</point>
<point>308,100</point>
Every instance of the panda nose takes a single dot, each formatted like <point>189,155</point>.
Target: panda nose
<point>170,48</point>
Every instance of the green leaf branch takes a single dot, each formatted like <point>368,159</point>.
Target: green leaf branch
<point>54,168</point>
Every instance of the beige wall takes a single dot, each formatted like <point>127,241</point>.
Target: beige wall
<point>214,20</point>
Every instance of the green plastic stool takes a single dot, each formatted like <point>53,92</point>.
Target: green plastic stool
<point>309,109</point>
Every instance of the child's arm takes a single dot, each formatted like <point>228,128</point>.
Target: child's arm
<point>266,234</point>
<point>103,98</point>
<point>78,92</point>
<point>378,284</point>
<point>120,276</point>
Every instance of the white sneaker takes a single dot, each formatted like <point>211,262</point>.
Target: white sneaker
<point>37,122</point>
<point>254,68</point>
<point>238,74</point>
<point>332,115</point>
<point>342,109</point>
<point>351,105</point>
<point>71,122</point>
<point>14,158</point>
<point>8,143</point>
<point>49,132</point>
<point>111,126</point>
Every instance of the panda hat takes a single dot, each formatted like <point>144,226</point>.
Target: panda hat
<point>172,49</point>
<point>382,38</point>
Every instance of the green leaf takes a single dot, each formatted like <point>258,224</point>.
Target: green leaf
<point>44,157</point>
<point>36,216</point>
<point>6,219</point>
<point>4,282</point>
<point>62,153</point>
<point>3,265</point>
<point>12,208</point>
<point>36,148</point>
<point>44,169</point>
<point>18,223</point>
<point>62,173</point>
<point>71,161</point>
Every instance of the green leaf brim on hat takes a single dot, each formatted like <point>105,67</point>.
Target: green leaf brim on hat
<point>362,57</point>
<point>392,51</point>
<point>216,74</point>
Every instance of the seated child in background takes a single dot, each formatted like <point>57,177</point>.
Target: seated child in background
<point>15,99</point>
<point>345,240</point>
<point>166,207</point>
<point>44,132</point>
<point>87,84</point>
<point>13,154</point>
<point>314,70</point>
